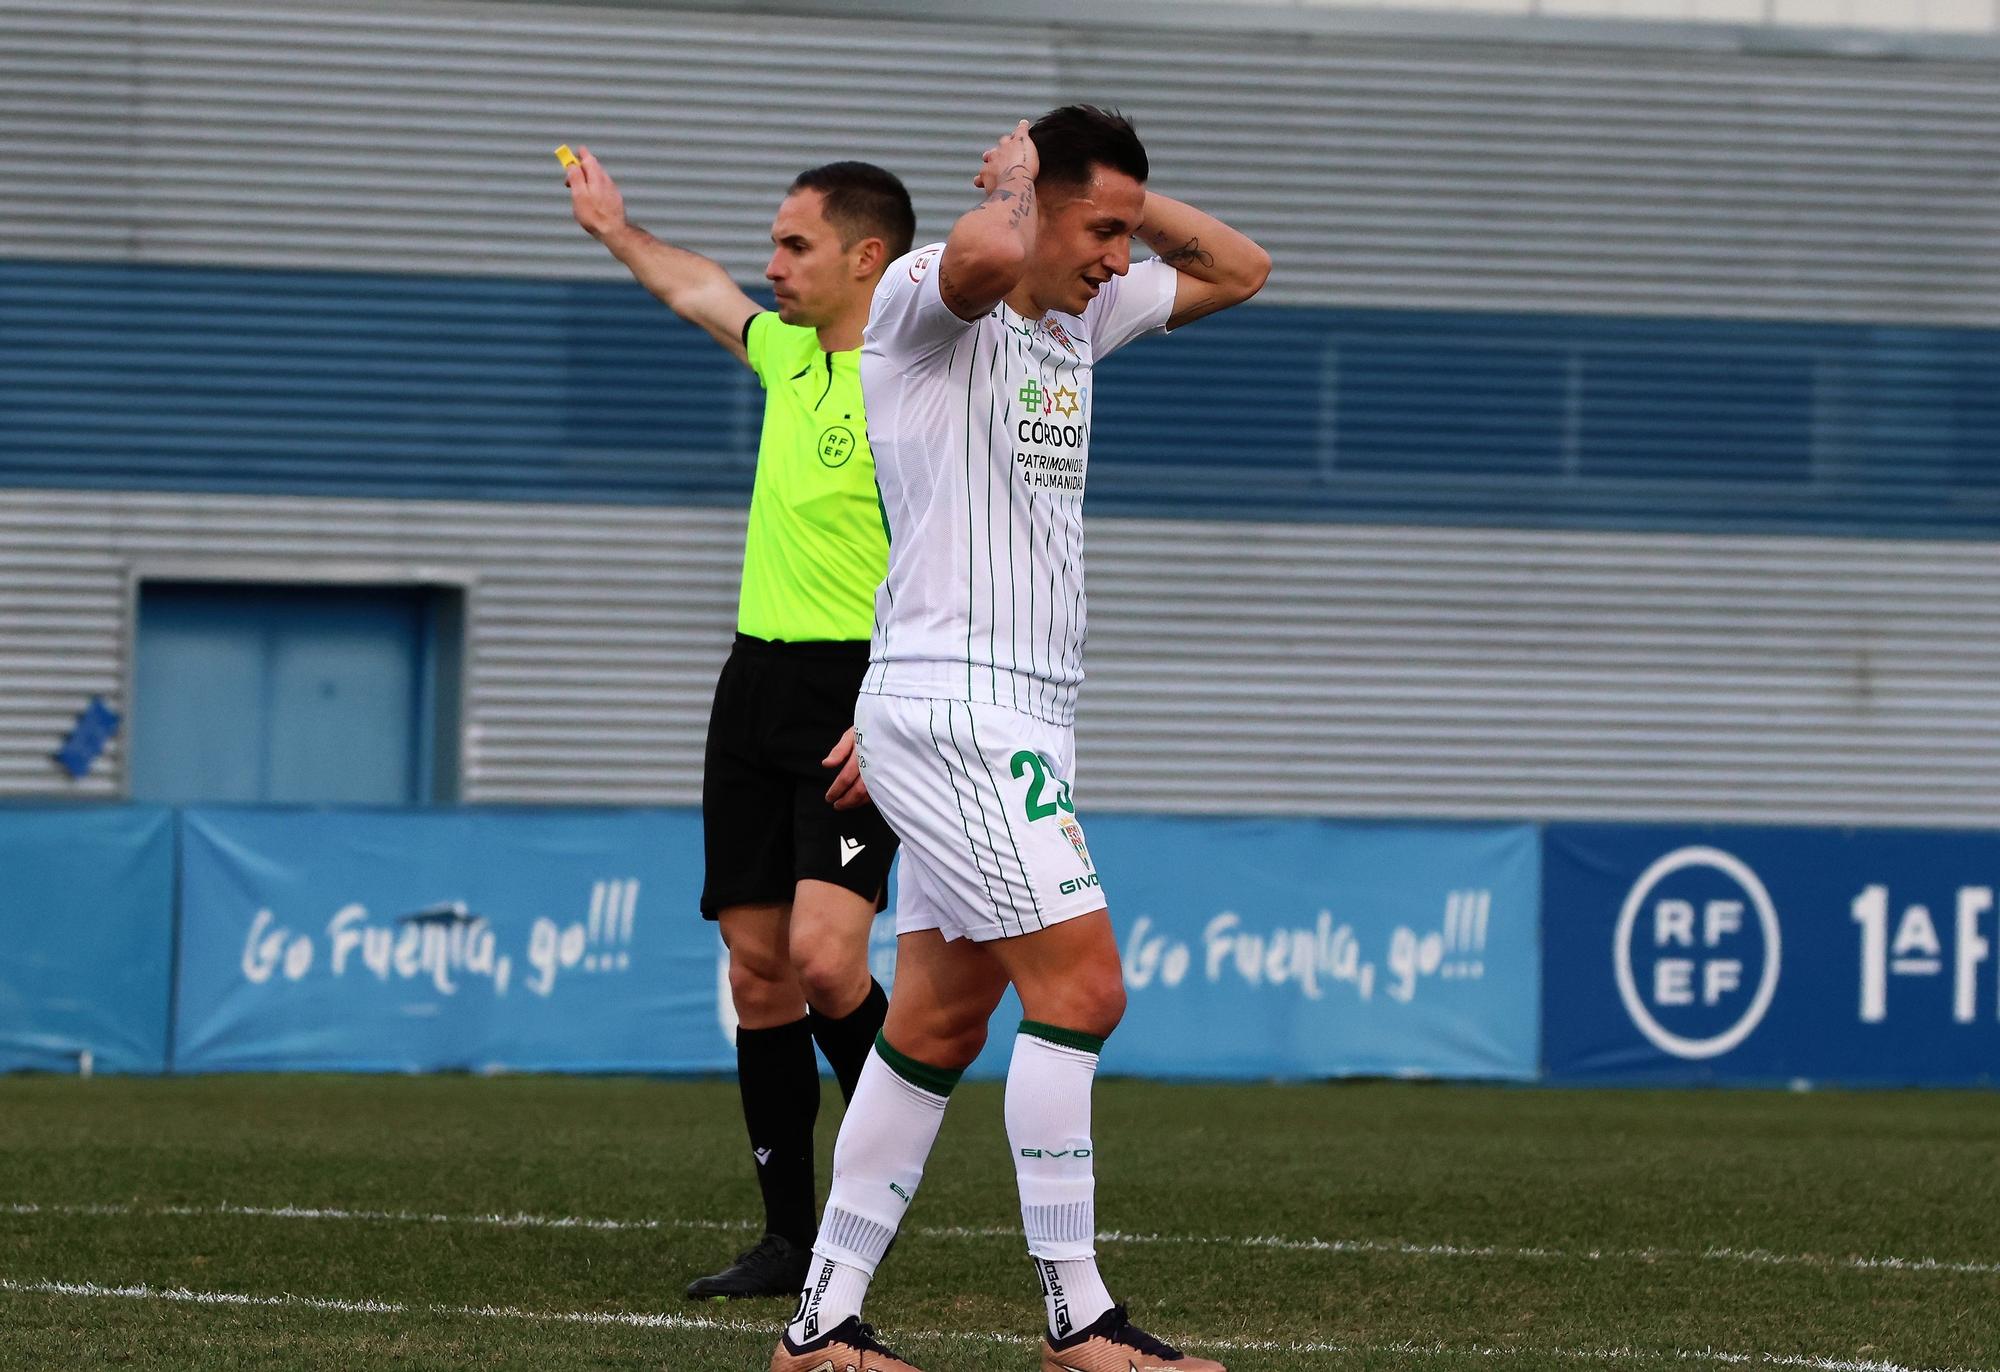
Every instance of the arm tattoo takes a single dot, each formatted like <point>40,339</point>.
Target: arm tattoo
<point>1024,205</point>
<point>1021,202</point>
<point>1196,311</point>
<point>1187,253</point>
<point>953,297</point>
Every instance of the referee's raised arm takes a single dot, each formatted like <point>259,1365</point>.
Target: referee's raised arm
<point>694,287</point>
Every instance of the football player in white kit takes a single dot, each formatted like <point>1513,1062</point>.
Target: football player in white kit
<point>977,370</point>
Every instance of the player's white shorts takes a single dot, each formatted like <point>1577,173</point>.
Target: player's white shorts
<point>980,797</point>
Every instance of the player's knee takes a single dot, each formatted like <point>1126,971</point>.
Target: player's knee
<point>949,1041</point>
<point>957,1045</point>
<point>834,977</point>
<point>1091,1000</point>
<point>760,982</point>
<point>1101,1000</point>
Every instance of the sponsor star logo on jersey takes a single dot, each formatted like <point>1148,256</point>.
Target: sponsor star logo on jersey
<point>1048,443</point>
<point>1039,399</point>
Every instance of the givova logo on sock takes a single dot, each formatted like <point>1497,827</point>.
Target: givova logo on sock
<point>1055,1152</point>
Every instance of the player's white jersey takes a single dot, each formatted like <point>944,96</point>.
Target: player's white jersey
<point>981,436</point>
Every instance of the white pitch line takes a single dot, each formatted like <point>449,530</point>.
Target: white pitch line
<point>1755,1257</point>
<point>306,1212</point>
<point>636,1320</point>
<point>1758,1257</point>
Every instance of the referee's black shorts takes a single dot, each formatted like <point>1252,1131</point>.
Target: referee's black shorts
<point>765,822</point>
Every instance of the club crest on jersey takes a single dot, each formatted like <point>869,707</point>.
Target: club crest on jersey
<point>1055,330</point>
<point>1074,833</point>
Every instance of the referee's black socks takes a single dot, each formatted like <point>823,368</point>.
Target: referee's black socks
<point>779,1079</point>
<point>846,1041</point>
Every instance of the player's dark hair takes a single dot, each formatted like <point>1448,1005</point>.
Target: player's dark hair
<point>863,201</point>
<point>1076,138</point>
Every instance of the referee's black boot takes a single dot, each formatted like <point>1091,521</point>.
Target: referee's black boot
<point>774,1266</point>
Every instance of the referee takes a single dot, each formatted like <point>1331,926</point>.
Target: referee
<point>794,885</point>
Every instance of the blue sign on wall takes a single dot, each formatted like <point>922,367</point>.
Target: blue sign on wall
<point>413,941</point>
<point>1312,948</point>
<point>1759,955</point>
<point>87,906</point>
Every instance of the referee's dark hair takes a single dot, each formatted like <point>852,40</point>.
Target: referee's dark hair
<point>1075,138</point>
<point>863,201</point>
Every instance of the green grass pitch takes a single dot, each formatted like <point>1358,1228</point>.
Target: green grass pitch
<point>304,1223</point>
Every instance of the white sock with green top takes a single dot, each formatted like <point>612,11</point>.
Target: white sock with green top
<point>1048,1128</point>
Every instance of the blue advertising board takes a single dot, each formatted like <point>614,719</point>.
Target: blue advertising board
<point>1298,949</point>
<point>1680,954</point>
<point>530,940</point>
<point>87,910</point>
<point>421,940</point>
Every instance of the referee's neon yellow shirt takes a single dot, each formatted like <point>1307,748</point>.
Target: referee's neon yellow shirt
<point>817,546</point>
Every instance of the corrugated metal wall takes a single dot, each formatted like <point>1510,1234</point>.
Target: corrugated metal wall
<point>593,632</point>
<point>1598,676</point>
<point>1235,667</point>
<point>1502,174</point>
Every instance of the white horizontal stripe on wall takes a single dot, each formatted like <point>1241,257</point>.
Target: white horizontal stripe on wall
<point>1234,667</point>
<point>1505,172</point>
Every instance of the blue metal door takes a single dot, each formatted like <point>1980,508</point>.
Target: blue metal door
<point>284,694</point>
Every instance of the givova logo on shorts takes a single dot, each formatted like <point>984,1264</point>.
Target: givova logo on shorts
<point>1697,952</point>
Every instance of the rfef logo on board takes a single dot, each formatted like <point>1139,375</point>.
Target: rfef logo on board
<point>1697,952</point>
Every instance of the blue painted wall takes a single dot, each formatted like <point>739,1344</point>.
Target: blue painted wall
<point>281,694</point>
<point>374,384</point>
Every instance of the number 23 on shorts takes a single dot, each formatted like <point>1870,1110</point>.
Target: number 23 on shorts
<point>1029,762</point>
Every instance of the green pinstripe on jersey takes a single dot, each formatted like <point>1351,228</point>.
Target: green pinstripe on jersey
<point>960,617</point>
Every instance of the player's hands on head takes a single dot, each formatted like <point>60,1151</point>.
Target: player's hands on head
<point>593,196</point>
<point>849,791</point>
<point>1013,149</point>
